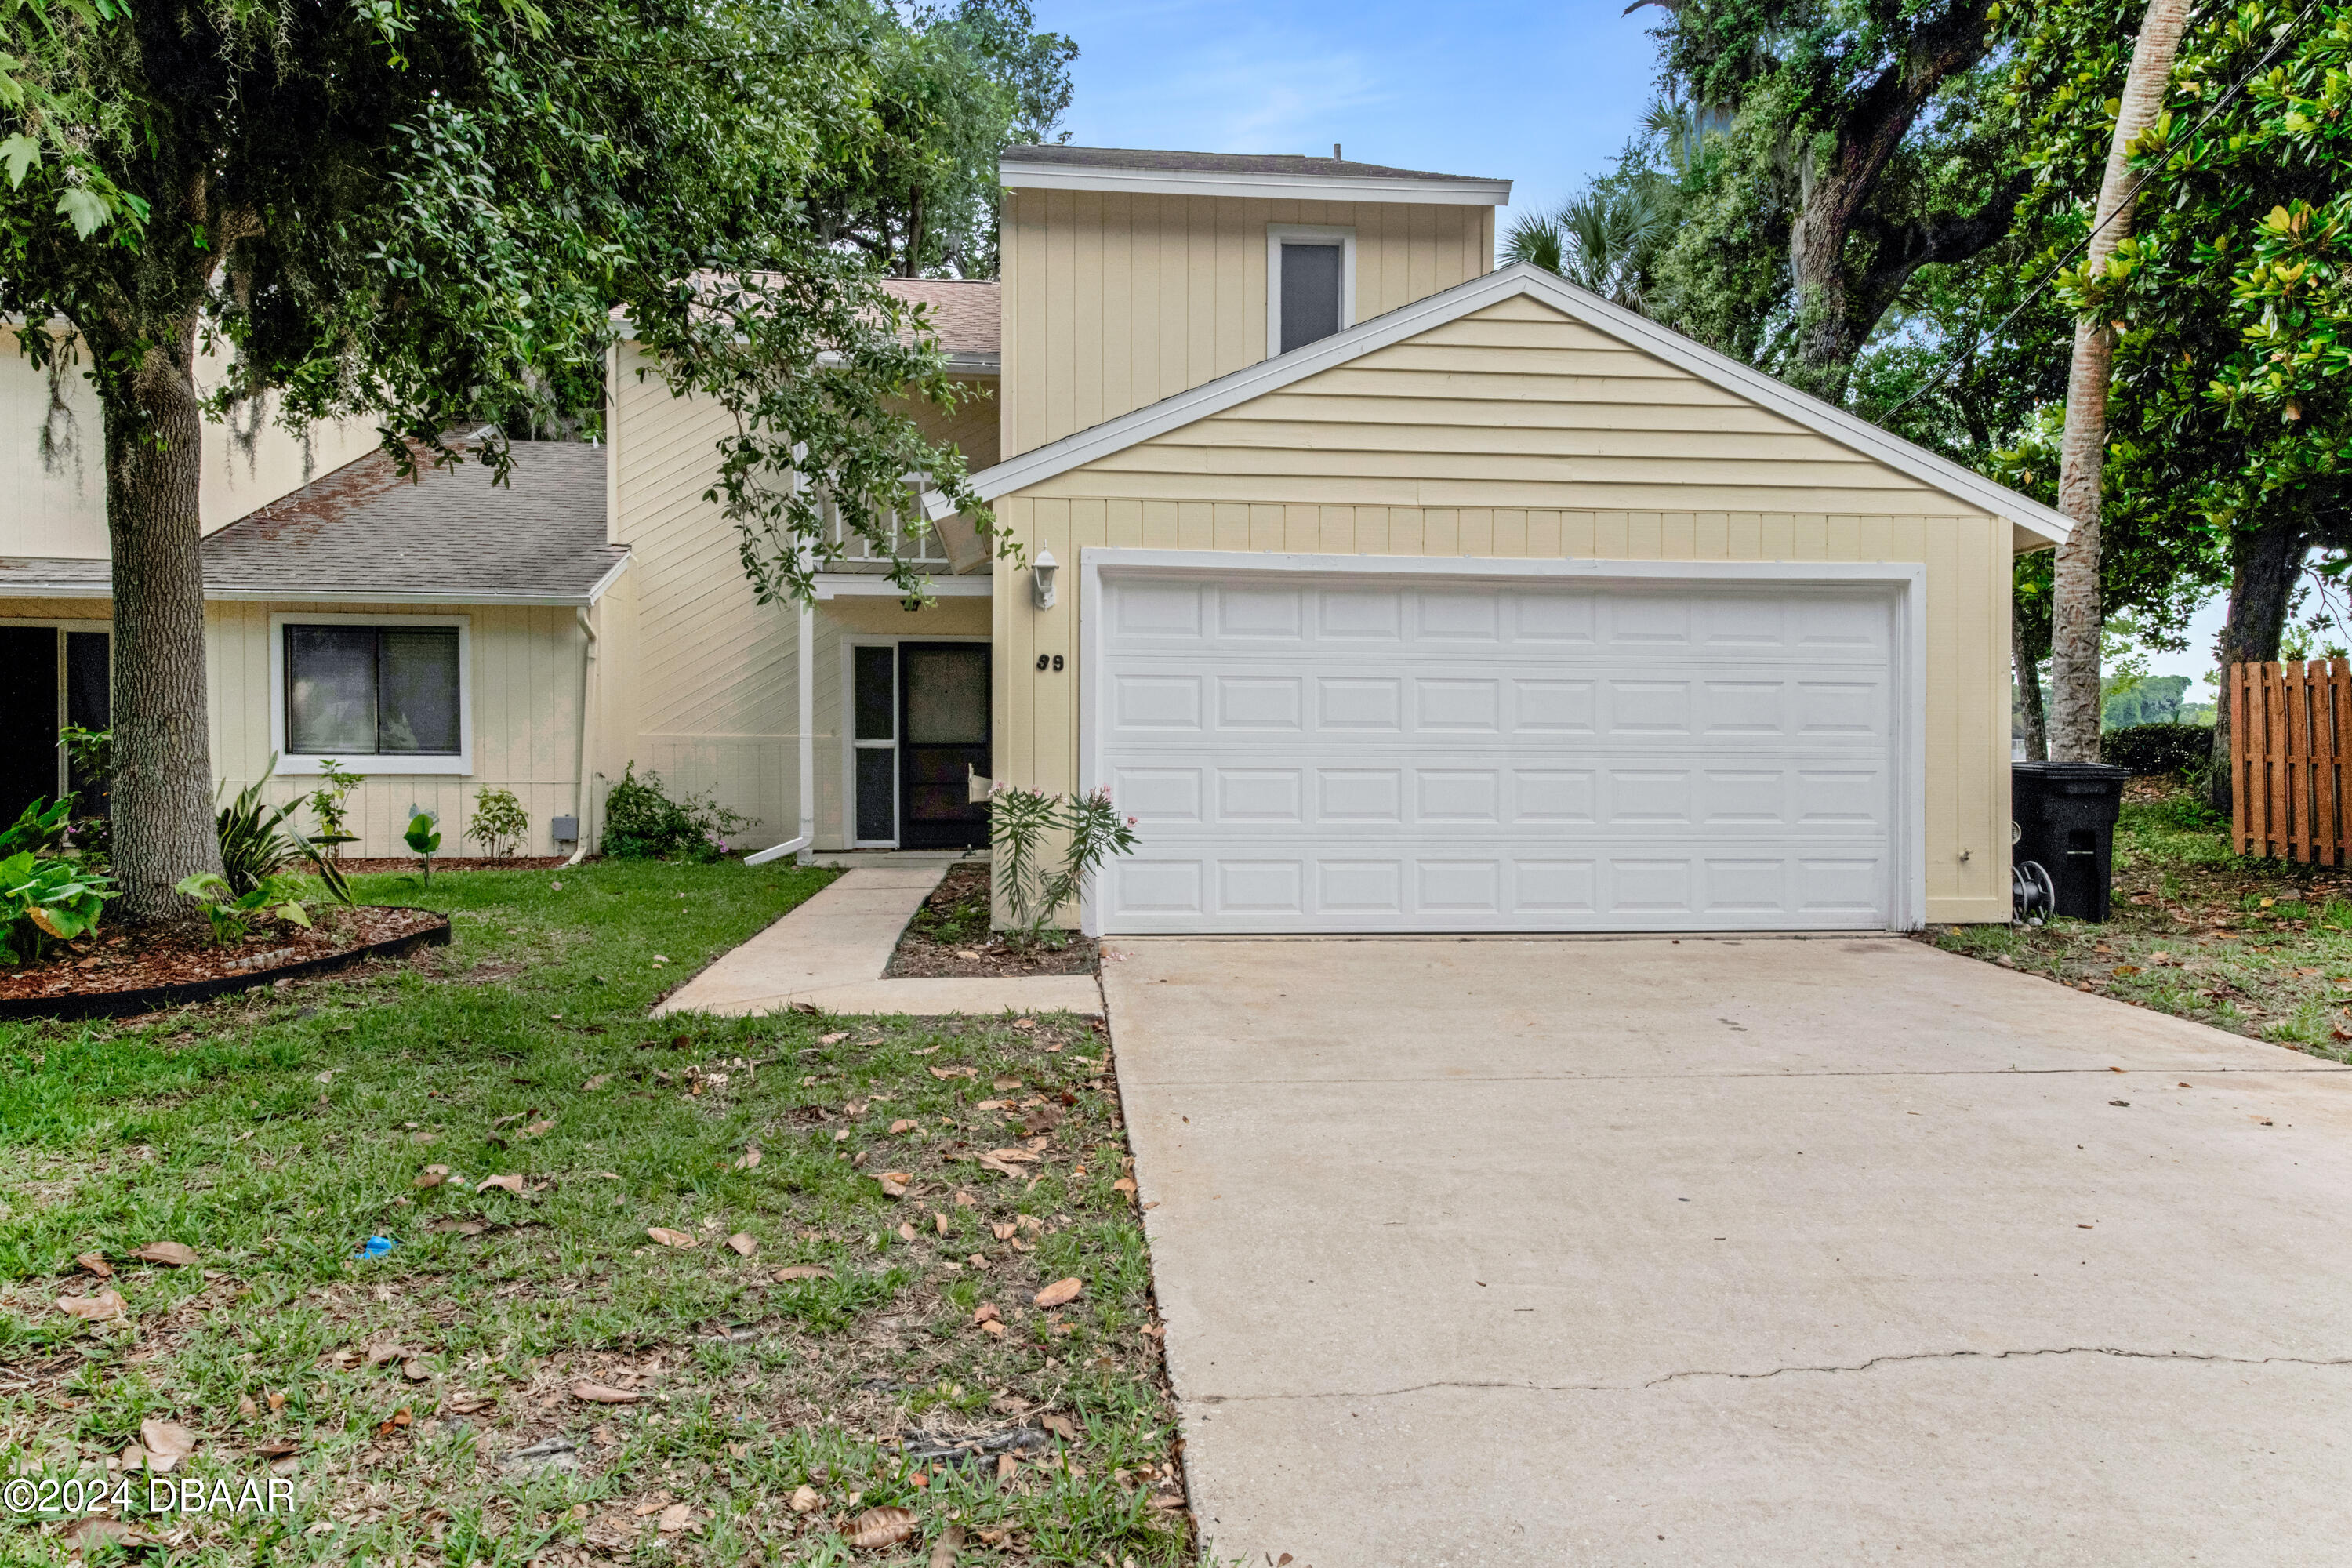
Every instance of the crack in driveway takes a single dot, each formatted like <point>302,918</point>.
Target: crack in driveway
<point>1873,1363</point>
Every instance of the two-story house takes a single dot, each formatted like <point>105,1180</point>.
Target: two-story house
<point>1387,591</point>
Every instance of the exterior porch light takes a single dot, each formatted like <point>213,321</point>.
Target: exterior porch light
<point>1041,579</point>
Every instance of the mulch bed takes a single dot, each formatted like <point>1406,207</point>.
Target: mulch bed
<point>145,961</point>
<point>950,936</point>
<point>362,866</point>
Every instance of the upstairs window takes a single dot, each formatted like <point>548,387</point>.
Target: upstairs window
<point>1310,285</point>
<point>381,696</point>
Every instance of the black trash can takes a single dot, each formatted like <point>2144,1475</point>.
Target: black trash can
<point>2065,818</point>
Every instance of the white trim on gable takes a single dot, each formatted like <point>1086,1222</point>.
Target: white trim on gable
<point>2044,524</point>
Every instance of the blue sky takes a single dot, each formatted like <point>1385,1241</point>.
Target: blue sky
<point>1543,95</point>
<point>1540,94</point>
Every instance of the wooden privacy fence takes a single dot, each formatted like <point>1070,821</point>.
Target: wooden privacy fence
<point>2290,731</point>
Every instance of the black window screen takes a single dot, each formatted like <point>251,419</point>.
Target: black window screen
<point>372,691</point>
<point>1310,294</point>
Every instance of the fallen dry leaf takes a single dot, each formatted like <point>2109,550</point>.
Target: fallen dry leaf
<point>1060,1425</point>
<point>246,1408</point>
<point>539,1128</point>
<point>95,1263</point>
<point>940,1222</point>
<point>835,1039</point>
<point>906,1230</point>
<point>170,1253</point>
<point>964,1200</point>
<point>593,1084</point>
<point>276,1448</point>
<point>1060,1293</point>
<point>802,1271</point>
<point>432,1176</point>
<point>1015,1156</point>
<point>1024,1023</point>
<point>750,1162</point>
<point>603,1393</point>
<point>881,1527</point>
<point>1004,1232</point>
<point>674,1518</point>
<point>985,1312</point>
<point>1124,1184</point>
<point>954,1072</point>
<point>106,1304</point>
<point>89,1535</point>
<point>1005,1083</point>
<point>669,1237</point>
<point>902,1125</point>
<point>990,1163</point>
<point>992,1327</point>
<point>275,1402</point>
<point>166,1442</point>
<point>509,1183</point>
<point>895,1183</point>
<point>943,1549</point>
<point>744,1242</point>
<point>807,1500</point>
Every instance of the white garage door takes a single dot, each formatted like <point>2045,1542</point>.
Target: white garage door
<point>1384,752</point>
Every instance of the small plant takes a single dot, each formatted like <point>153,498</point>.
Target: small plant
<point>642,823</point>
<point>328,803</point>
<point>40,828</point>
<point>233,914</point>
<point>90,753</point>
<point>255,843</point>
<point>499,822</point>
<point>1020,824</point>
<point>46,898</point>
<point>424,839</point>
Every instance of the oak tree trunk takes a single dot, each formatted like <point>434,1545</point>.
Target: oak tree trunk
<point>2263,565</point>
<point>162,779</point>
<point>2074,614</point>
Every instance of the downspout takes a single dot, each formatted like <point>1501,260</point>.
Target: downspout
<point>587,796</point>
<point>808,736</point>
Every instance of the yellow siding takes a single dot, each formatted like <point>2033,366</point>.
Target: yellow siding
<point>1397,454</point>
<point>526,697</point>
<point>1114,300</point>
<point>56,507</point>
<point>707,694</point>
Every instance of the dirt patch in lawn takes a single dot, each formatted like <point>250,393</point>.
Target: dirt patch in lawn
<point>143,960</point>
<point>2262,948</point>
<point>949,936</point>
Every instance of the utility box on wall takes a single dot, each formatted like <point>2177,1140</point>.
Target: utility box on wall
<point>565,829</point>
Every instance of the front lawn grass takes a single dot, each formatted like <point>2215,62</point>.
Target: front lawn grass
<point>275,1133</point>
<point>2262,948</point>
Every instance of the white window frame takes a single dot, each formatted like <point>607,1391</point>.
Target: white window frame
<point>373,764</point>
<point>1277,234</point>
<point>69,623</point>
<point>850,743</point>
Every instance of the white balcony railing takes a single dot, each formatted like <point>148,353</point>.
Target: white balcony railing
<point>913,537</point>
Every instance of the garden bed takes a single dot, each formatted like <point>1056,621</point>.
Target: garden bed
<point>132,973</point>
<point>370,865</point>
<point>950,936</point>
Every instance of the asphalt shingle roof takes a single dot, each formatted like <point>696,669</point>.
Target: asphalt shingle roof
<point>1175,162</point>
<point>364,530</point>
<point>966,313</point>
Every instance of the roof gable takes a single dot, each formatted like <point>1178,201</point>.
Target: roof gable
<point>1517,378</point>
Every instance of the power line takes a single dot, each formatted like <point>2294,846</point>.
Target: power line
<point>2123,206</point>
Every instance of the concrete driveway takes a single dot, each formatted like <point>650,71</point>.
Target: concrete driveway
<point>1746,1252</point>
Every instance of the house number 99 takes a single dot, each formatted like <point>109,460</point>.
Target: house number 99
<point>1049,661</point>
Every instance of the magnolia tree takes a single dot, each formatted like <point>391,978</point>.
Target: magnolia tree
<point>424,215</point>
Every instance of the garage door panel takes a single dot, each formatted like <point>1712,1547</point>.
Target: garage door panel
<point>1322,755</point>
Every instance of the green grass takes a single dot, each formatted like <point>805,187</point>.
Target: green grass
<point>273,1132</point>
<point>2262,948</point>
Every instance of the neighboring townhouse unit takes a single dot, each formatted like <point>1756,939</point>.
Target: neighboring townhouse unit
<point>1386,589</point>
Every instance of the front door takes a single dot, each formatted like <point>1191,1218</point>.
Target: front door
<point>48,677</point>
<point>943,735</point>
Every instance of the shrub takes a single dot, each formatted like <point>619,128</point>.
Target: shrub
<point>499,822</point>
<point>2159,748</point>
<point>46,898</point>
<point>1020,821</point>
<point>641,823</point>
<point>92,753</point>
<point>39,829</point>
<point>255,843</point>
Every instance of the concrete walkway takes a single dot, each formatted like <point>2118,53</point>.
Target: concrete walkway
<point>1723,1252</point>
<point>830,952</point>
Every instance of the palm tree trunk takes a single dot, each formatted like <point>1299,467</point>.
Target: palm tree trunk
<point>2075,609</point>
<point>163,782</point>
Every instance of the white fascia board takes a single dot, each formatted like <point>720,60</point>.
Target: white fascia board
<point>292,595</point>
<point>611,577</point>
<point>21,590</point>
<point>1463,299</point>
<point>873,584</point>
<point>1458,193</point>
